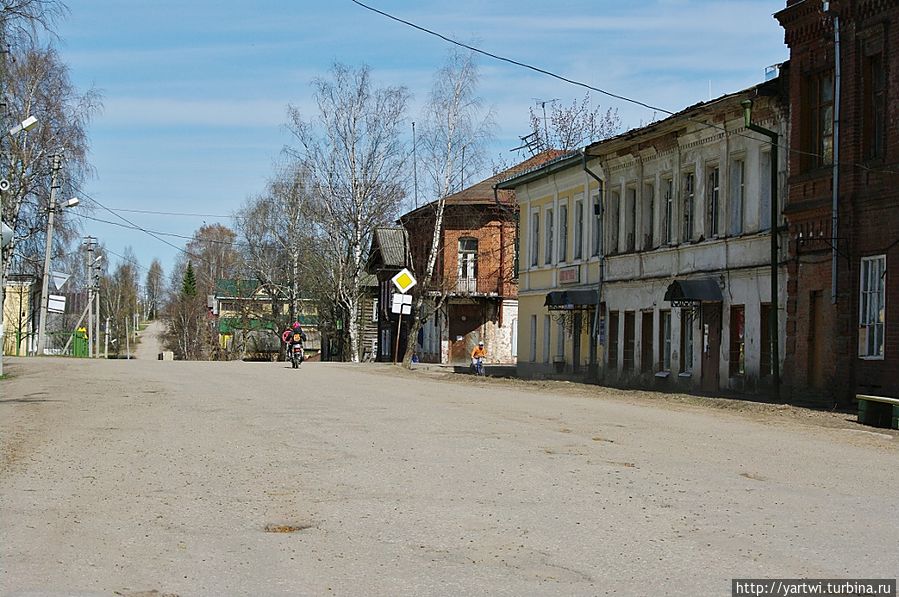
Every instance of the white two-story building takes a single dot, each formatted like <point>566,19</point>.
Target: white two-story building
<point>664,231</point>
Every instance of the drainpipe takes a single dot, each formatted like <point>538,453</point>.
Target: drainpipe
<point>835,203</point>
<point>774,321</point>
<point>599,228</point>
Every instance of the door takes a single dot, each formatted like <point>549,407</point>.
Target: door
<point>578,320</point>
<point>464,332</point>
<point>646,343</point>
<point>815,340</point>
<point>711,345</point>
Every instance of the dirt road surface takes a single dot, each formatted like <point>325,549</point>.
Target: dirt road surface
<point>149,477</point>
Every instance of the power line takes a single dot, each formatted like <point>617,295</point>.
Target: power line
<point>598,89</point>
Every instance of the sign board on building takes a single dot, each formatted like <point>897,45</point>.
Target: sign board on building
<point>56,303</point>
<point>570,275</point>
<point>404,280</point>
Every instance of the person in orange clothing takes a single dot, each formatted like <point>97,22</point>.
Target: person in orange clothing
<point>478,354</point>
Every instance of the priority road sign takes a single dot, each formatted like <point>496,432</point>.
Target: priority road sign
<point>404,280</point>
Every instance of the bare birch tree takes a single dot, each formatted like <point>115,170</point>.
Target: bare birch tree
<point>153,290</point>
<point>37,84</point>
<point>277,243</point>
<point>356,164</point>
<point>453,134</point>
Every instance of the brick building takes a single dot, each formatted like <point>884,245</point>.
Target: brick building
<point>474,292</point>
<point>843,289</point>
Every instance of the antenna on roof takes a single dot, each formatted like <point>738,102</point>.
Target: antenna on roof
<point>531,142</point>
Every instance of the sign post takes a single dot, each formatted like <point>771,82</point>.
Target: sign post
<point>402,303</point>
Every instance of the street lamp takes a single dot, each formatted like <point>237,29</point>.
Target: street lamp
<point>45,283</point>
<point>773,321</point>
<point>26,125</point>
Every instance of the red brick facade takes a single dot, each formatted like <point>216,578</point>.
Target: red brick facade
<point>823,360</point>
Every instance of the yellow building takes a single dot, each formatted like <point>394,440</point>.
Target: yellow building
<point>18,314</point>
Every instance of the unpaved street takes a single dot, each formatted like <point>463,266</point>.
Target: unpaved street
<point>125,477</point>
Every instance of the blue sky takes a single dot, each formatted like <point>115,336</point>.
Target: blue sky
<point>195,91</point>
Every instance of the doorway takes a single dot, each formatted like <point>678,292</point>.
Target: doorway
<point>711,346</point>
<point>646,343</point>
<point>815,340</point>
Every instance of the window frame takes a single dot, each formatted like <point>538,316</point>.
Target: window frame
<point>665,340</point>
<point>668,215</point>
<point>868,314</point>
<point>688,199</point>
<point>578,252</point>
<point>548,232</point>
<point>535,238</point>
<point>713,200</point>
<point>563,232</point>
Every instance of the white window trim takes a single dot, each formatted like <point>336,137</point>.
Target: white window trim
<point>562,248</point>
<point>861,303</point>
<point>549,236</point>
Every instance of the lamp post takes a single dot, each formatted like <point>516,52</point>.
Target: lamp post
<point>45,283</point>
<point>24,126</point>
<point>772,321</point>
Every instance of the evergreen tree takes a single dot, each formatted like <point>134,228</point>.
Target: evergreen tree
<point>189,285</point>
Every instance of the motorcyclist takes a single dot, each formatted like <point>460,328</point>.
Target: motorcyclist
<point>478,354</point>
<point>294,335</point>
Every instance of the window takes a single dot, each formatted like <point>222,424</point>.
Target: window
<point>668,219</point>
<point>578,229</point>
<point>737,170</point>
<point>648,214</point>
<point>686,340</point>
<point>818,121</point>
<point>374,309</point>
<point>874,90</point>
<point>765,190</point>
<point>548,246</point>
<point>468,260</point>
<point>630,218</point>
<point>630,341</point>
<point>665,340</point>
<point>535,237</point>
<point>612,213</point>
<point>689,197</point>
<point>712,200</point>
<point>546,333</point>
<point>597,220</point>
<point>737,341</point>
<point>563,233</point>
<point>872,307</point>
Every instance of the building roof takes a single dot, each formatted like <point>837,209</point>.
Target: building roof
<point>481,193</point>
<point>236,288</point>
<point>389,248</point>
<point>568,159</point>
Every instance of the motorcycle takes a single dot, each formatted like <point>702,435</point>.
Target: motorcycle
<point>296,355</point>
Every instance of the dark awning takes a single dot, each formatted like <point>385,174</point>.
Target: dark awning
<point>680,292</point>
<point>570,299</point>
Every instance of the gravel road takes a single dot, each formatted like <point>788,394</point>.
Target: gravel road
<point>149,477</point>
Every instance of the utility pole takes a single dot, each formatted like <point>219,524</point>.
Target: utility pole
<point>45,288</point>
<point>89,243</point>
<point>106,340</point>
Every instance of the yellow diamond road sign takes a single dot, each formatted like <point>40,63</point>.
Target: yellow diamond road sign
<point>404,280</point>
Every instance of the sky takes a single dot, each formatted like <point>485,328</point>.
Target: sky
<point>195,92</point>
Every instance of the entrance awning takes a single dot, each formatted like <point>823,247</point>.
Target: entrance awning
<point>570,300</point>
<point>686,293</point>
